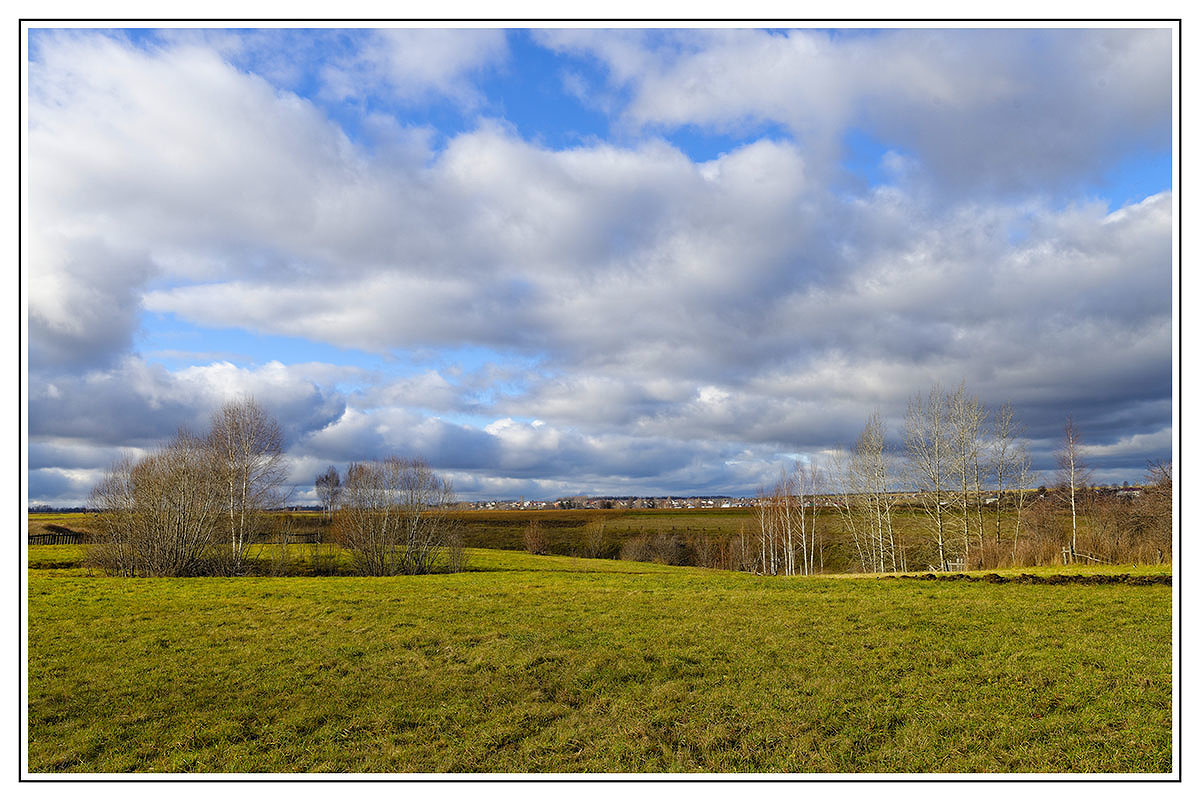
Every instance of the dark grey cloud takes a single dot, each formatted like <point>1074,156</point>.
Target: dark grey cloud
<point>139,404</point>
<point>650,322</point>
<point>59,487</point>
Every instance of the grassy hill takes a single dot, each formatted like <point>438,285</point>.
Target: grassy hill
<point>581,665</point>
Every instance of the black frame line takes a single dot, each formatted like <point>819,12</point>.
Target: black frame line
<point>1177,587</point>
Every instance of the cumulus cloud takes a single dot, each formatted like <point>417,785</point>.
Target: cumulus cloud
<point>535,452</point>
<point>413,63</point>
<point>55,486</point>
<point>1002,109</point>
<point>139,404</point>
<point>651,321</point>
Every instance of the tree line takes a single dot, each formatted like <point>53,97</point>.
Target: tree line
<point>195,505</point>
<point>958,496</point>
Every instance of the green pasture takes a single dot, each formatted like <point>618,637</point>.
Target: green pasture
<point>534,664</point>
<point>564,531</point>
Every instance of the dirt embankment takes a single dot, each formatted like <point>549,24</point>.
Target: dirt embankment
<point>1026,578</point>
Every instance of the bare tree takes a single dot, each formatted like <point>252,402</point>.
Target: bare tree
<point>160,515</point>
<point>329,489</point>
<point>808,486</point>
<point>394,517</point>
<point>784,525</point>
<point>870,465</point>
<point>766,524</point>
<point>247,447</point>
<point>785,494</point>
<point>862,498</point>
<point>848,506</point>
<point>1005,451</point>
<point>1024,477</point>
<point>927,435</point>
<point>280,563</point>
<point>534,538</point>
<point>1153,515</point>
<point>1072,473</point>
<point>745,559</point>
<point>593,539</point>
<point>966,416</point>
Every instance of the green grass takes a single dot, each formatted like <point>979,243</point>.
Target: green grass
<point>74,558</point>
<point>561,664</point>
<point>564,533</point>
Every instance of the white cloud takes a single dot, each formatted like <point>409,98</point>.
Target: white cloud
<point>1023,110</point>
<point>415,63</point>
<point>672,315</point>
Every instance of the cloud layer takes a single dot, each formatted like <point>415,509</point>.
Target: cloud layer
<point>620,316</point>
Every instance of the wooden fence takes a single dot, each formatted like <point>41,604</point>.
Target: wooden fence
<point>68,537</point>
<point>1070,557</point>
<point>59,538</point>
<point>298,538</point>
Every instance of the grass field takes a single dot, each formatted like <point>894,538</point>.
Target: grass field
<point>582,665</point>
<point>564,533</point>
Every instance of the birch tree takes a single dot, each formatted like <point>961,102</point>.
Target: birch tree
<point>808,486</point>
<point>787,521</point>
<point>927,438</point>
<point>1005,431</point>
<point>329,489</point>
<point>863,500</point>
<point>1072,473</point>
<point>871,467</point>
<point>247,447</point>
<point>1024,477</point>
<point>966,417</point>
<point>846,503</point>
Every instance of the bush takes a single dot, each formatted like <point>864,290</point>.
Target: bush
<point>592,544</point>
<point>665,549</point>
<point>393,518</point>
<point>535,539</point>
<point>160,515</point>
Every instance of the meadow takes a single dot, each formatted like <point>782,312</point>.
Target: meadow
<point>703,537</point>
<point>551,663</point>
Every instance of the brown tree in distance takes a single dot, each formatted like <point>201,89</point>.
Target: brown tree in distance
<point>1154,516</point>
<point>534,538</point>
<point>593,539</point>
<point>329,489</point>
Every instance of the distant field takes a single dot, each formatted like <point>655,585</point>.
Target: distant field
<point>587,665</point>
<point>563,528</point>
<point>563,532</point>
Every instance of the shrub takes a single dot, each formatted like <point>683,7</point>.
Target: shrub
<point>592,544</point>
<point>393,517</point>
<point>535,539</point>
<point>160,515</point>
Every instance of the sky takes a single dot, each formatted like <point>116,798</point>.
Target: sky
<point>586,261</point>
